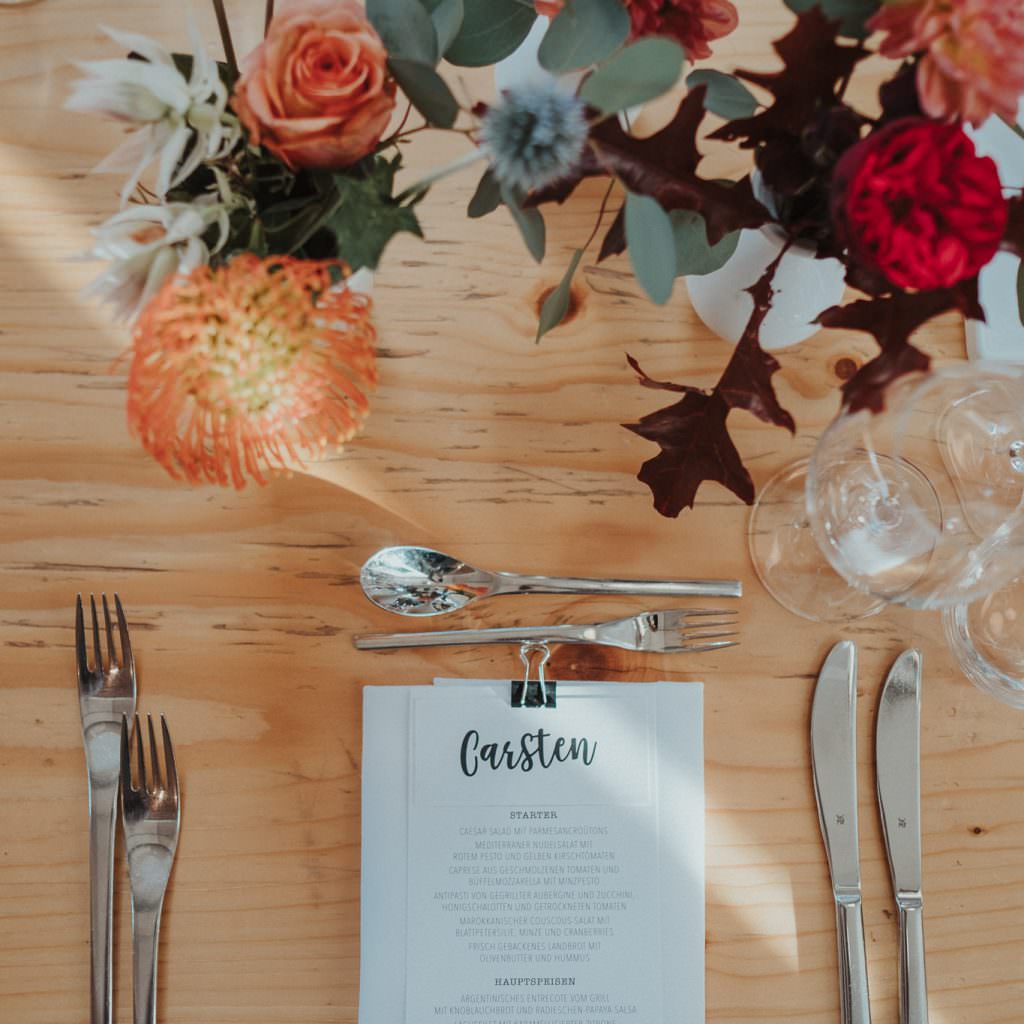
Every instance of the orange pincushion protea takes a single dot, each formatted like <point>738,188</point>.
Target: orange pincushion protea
<point>240,370</point>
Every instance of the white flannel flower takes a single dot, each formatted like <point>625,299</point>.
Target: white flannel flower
<point>147,244</point>
<point>180,122</point>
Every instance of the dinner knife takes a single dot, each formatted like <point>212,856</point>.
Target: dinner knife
<point>834,763</point>
<point>898,769</point>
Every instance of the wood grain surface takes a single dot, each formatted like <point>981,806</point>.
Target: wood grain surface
<point>507,453</point>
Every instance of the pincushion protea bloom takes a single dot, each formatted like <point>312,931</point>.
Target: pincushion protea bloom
<point>239,370</point>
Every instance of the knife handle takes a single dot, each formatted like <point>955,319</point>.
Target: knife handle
<point>913,982</point>
<point>853,966</point>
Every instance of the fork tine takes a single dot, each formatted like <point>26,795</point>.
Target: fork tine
<point>97,655</point>
<point>687,636</point>
<point>717,645</point>
<point>690,613</point>
<point>122,627</point>
<point>154,760</point>
<point>111,650</point>
<point>81,656</point>
<point>140,757</point>
<point>126,758</point>
<point>170,771</point>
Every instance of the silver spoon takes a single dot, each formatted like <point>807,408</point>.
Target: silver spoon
<point>420,581</point>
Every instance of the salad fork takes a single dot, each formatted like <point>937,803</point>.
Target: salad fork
<point>106,693</point>
<point>151,813</point>
<point>678,631</point>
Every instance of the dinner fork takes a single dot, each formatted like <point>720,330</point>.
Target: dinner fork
<point>678,631</point>
<point>106,693</point>
<point>151,813</point>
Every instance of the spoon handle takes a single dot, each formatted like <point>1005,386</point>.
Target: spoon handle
<point>512,583</point>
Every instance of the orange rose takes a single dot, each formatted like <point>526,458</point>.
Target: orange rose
<point>316,91</point>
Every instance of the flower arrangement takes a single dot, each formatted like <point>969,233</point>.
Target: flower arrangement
<point>270,182</point>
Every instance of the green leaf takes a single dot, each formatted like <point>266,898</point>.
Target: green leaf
<point>365,216</point>
<point>556,305</point>
<point>634,75</point>
<point>427,91</point>
<point>486,198</point>
<point>406,29</point>
<point>652,247</point>
<point>530,222</point>
<point>491,30</point>
<point>583,33</point>
<point>1020,291</point>
<point>694,256</point>
<point>447,17</point>
<point>852,15</point>
<point>726,96</point>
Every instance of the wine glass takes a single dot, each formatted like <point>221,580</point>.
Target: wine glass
<point>921,504</point>
<point>987,638</point>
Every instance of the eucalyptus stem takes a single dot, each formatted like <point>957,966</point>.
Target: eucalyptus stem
<point>225,35</point>
<point>442,172</point>
<point>268,17</point>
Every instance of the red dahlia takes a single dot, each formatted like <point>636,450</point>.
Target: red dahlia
<point>914,202</point>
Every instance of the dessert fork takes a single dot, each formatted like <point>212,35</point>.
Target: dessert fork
<point>678,631</point>
<point>151,814</point>
<point>106,693</point>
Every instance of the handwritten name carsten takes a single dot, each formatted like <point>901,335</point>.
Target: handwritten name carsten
<point>534,749</point>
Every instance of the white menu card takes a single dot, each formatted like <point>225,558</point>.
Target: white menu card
<point>533,865</point>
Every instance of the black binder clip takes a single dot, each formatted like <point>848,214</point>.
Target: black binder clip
<point>534,693</point>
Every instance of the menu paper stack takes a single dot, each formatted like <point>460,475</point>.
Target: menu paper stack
<point>533,865</point>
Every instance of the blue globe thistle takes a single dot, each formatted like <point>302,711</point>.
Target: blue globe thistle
<point>534,135</point>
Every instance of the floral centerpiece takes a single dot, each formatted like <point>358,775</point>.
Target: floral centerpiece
<point>270,183</point>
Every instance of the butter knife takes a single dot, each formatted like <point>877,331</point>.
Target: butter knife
<point>898,769</point>
<point>834,763</point>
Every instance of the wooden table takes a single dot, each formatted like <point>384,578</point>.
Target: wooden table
<point>508,453</point>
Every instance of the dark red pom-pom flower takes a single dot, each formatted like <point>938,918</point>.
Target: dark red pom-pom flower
<point>914,202</point>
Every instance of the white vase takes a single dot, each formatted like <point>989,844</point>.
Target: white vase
<point>803,287</point>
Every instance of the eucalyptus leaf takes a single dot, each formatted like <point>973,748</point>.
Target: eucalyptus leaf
<point>694,257</point>
<point>556,305</point>
<point>406,28</point>
<point>447,17</point>
<point>487,196</point>
<point>726,96</point>
<point>852,15</point>
<point>530,223</point>
<point>1020,291</point>
<point>652,247</point>
<point>640,72</point>
<point>427,91</point>
<point>583,33</point>
<point>490,31</point>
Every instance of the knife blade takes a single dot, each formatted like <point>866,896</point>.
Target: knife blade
<point>834,766</point>
<point>898,771</point>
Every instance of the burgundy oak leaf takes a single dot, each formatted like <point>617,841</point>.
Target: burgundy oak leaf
<point>692,434</point>
<point>695,446</point>
<point>664,166</point>
<point>891,320</point>
<point>660,385</point>
<point>815,65</point>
